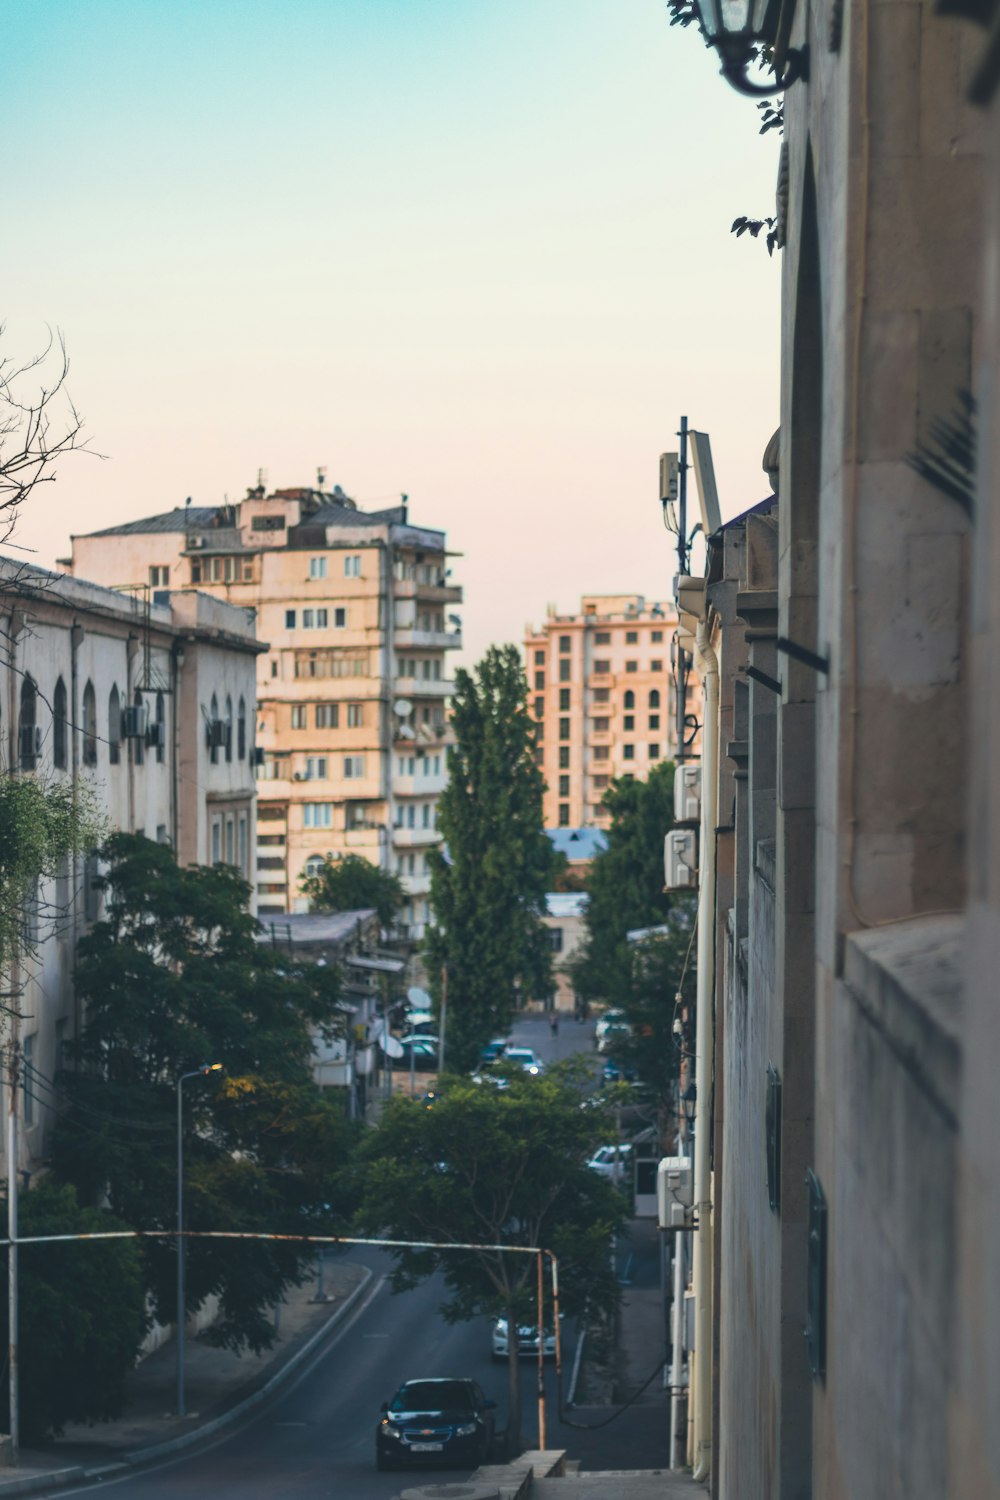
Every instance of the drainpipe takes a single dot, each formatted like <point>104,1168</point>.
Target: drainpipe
<point>708,668</point>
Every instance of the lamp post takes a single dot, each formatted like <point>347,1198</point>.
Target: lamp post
<point>201,1072</point>
<point>738,29</point>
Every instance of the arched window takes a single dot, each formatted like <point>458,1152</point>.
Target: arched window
<point>114,727</point>
<point>241,731</point>
<point>313,865</point>
<point>229,731</point>
<point>27,740</point>
<point>213,734</point>
<point>59,727</point>
<point>630,699</point>
<point>89,725</point>
<point>138,741</point>
<point>654,698</point>
<point>161,728</point>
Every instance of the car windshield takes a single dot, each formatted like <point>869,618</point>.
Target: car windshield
<point>521,1054</point>
<point>433,1395</point>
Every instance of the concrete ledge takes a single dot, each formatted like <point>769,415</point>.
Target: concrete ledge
<point>513,1481</point>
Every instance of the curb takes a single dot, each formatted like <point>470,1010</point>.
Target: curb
<point>137,1457</point>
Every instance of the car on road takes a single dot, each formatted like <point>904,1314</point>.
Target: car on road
<point>494,1051</point>
<point>424,1050</point>
<point>615,1073</point>
<point>612,1162</point>
<point>435,1421</point>
<point>615,1031</point>
<point>611,1017</point>
<point>524,1058</point>
<point>527,1341</point>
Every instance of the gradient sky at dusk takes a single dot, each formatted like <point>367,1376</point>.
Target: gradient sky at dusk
<point>473,251</point>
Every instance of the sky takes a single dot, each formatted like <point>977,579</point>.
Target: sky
<point>474,252</point>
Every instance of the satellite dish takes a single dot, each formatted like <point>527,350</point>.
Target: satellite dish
<point>402,708</point>
<point>391,1045</point>
<point>418,997</point>
<point>406,732</point>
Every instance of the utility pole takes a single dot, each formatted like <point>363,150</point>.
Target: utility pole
<point>444,1015</point>
<point>683,567</point>
<point>13,1372</point>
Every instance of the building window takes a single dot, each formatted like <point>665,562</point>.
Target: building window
<point>628,751</point>
<point>274,667</point>
<point>159,578</point>
<point>564,643</point>
<point>313,866</point>
<point>602,667</point>
<point>629,723</point>
<point>213,720</point>
<point>601,726</point>
<point>602,695</point>
<point>315,619</point>
<point>602,638</point>
<point>241,730</point>
<point>299,711</point>
<point>654,721</point>
<point>601,782</point>
<point>352,566</point>
<point>654,752</point>
<point>317,567</point>
<point>355,715</point>
<point>160,737</point>
<point>327,715</point>
<point>539,755</point>
<point>657,636</point>
<point>565,666</point>
<point>564,757</point>
<point>539,658</point>
<point>426,815</point>
<point>539,681</point>
<point>564,729</point>
<point>59,726</point>
<point>244,847</point>
<point>631,637</point>
<point>629,699</point>
<point>315,767</point>
<point>230,842</point>
<point>216,841</point>
<point>656,666</point>
<point>317,814</point>
<point>564,786</point>
<point>631,666</point>
<point>564,700</point>
<point>196,572</point>
<point>654,698</point>
<point>600,752</point>
<point>539,729</point>
<point>290,617</point>
<point>229,731</point>
<point>354,767</point>
<point>564,815</point>
<point>339,618</point>
<point>539,708</point>
<point>556,939</point>
<point>114,727</point>
<point>89,725</point>
<point>137,742</point>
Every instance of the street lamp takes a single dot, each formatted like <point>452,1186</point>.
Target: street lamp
<point>737,29</point>
<point>202,1072</point>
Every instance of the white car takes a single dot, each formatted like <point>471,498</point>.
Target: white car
<point>612,1162</point>
<point>527,1340</point>
<point>525,1058</point>
<point>610,1017</point>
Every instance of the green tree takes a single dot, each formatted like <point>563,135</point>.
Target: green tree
<point>349,883</point>
<point>84,1306</point>
<point>496,1166</point>
<point>625,884</point>
<point>174,977</point>
<point>488,885</point>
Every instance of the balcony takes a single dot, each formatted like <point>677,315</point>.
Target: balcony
<point>415,838</point>
<point>366,841</point>
<point>428,640</point>
<point>419,786</point>
<point>416,885</point>
<point>420,687</point>
<point>431,593</point>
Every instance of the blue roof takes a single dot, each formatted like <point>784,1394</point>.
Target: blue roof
<point>578,843</point>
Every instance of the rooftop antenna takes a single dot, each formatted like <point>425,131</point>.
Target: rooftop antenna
<point>321,477</point>
<point>187,501</point>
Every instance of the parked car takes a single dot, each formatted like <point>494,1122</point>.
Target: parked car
<point>614,1031</point>
<point>435,1421</point>
<point>524,1058</point>
<point>418,1028</point>
<point>612,1162</point>
<point>425,1054</point>
<point>607,1019</point>
<point>493,1051</point>
<point>527,1341</point>
<point>614,1073</point>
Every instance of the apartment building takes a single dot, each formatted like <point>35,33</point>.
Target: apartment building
<point>352,691</point>
<point>602,693</point>
<point>151,705</point>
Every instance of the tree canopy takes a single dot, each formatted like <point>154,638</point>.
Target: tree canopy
<point>496,1166</point>
<point>174,978</point>
<point>488,884</point>
<point>350,883</point>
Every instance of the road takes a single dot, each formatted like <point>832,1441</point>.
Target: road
<point>317,1438</point>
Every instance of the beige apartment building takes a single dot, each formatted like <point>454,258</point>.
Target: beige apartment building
<point>602,693</point>
<point>352,690</point>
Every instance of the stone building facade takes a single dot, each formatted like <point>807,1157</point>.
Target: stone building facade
<point>129,698</point>
<point>352,693</point>
<point>856,1177</point>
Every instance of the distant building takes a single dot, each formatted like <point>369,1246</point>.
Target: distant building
<point>602,694</point>
<point>152,706</point>
<point>565,918</point>
<point>353,691</point>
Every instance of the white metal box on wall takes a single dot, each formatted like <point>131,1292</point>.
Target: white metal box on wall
<point>673,1191</point>
<point>680,859</point>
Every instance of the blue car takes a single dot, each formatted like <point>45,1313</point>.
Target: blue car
<point>615,1073</point>
<point>435,1422</point>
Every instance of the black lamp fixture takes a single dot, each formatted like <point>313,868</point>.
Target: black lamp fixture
<point>738,29</point>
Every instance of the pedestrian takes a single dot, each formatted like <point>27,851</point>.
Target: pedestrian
<point>554,1024</point>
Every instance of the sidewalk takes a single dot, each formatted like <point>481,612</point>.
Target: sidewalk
<point>219,1386</point>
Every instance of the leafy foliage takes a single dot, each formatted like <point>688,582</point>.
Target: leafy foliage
<point>753,227</point>
<point>84,1305</point>
<point>495,1167</point>
<point>350,883</point>
<point>488,888</point>
<point>625,883</point>
<point>171,979</point>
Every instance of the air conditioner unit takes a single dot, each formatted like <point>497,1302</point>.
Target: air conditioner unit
<point>29,741</point>
<point>134,721</point>
<point>680,860</point>
<point>156,735</point>
<point>687,793</point>
<point>195,543</point>
<point>215,734</point>
<point>673,1192</point>
<point>299,776</point>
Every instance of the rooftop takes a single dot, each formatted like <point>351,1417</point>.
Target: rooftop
<point>578,843</point>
